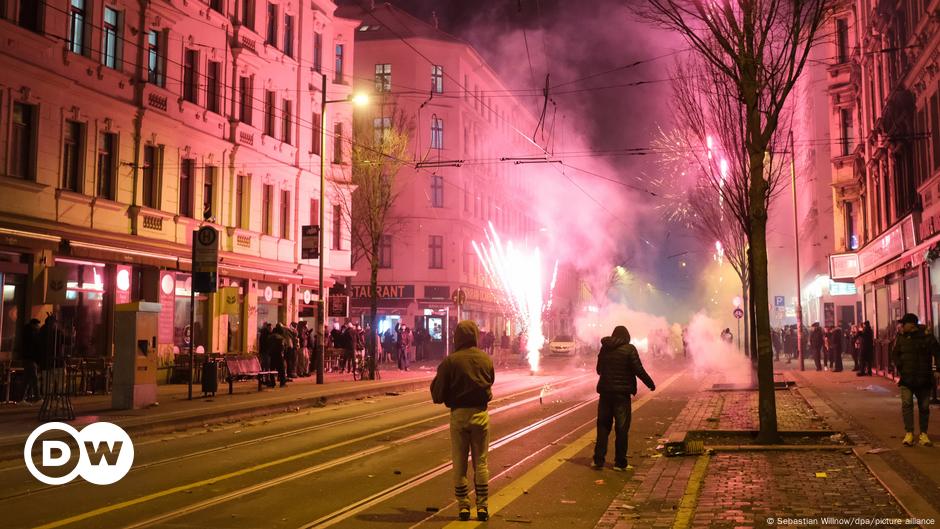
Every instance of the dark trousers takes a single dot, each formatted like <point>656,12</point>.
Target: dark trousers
<point>923,407</point>
<point>402,358</point>
<point>837,359</point>
<point>31,391</point>
<point>817,353</point>
<point>613,409</point>
<point>278,364</point>
<point>290,357</point>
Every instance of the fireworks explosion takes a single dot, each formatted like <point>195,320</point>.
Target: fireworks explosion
<point>518,274</point>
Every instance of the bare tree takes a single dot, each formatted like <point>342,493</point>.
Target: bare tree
<point>755,51</point>
<point>378,153</point>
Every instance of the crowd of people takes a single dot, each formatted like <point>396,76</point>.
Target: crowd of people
<point>827,345</point>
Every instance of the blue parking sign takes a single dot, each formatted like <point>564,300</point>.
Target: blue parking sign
<point>779,301</point>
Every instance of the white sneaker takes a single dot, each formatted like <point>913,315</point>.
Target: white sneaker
<point>908,439</point>
<point>924,440</point>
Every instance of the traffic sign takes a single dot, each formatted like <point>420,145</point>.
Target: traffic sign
<point>310,242</point>
<point>459,297</point>
<point>738,313</point>
<point>205,259</point>
<point>780,301</point>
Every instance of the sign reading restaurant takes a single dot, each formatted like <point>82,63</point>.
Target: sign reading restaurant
<point>384,291</point>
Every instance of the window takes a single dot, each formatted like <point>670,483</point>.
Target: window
<point>216,5</point>
<point>72,150</point>
<point>267,197</point>
<point>318,52</point>
<point>241,184</point>
<point>187,182</point>
<point>845,119</point>
<point>385,251</point>
<point>842,40</point>
<point>271,38</point>
<point>337,227</point>
<point>191,75</point>
<point>851,236</point>
<point>208,193</point>
<point>437,79</point>
<point>437,132</point>
<point>155,58</point>
<point>213,86</point>
<point>111,39</point>
<point>77,26</point>
<point>314,212</point>
<point>30,15</point>
<point>248,14</point>
<point>107,165</point>
<point>287,118</point>
<point>381,127</point>
<point>244,103</point>
<point>23,140</point>
<point>338,66</point>
<point>383,77</point>
<point>338,143</point>
<point>269,106</point>
<point>316,140</point>
<point>285,214</point>
<point>436,251</point>
<point>152,176</point>
<point>437,191</point>
<point>289,35</point>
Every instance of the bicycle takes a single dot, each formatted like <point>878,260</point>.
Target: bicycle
<point>361,368</point>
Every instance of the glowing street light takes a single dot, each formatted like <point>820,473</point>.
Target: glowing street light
<point>360,99</point>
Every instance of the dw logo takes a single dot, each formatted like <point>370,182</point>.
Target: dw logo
<point>105,454</point>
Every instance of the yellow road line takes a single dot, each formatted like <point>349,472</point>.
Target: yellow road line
<point>517,488</point>
<point>693,489</point>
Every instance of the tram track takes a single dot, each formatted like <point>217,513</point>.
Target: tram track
<point>558,386</point>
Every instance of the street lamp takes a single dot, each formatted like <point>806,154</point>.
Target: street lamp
<point>358,99</point>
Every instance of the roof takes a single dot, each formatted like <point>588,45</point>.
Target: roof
<point>387,22</point>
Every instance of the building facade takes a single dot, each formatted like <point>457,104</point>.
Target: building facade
<point>462,125</point>
<point>128,125</point>
<point>885,97</point>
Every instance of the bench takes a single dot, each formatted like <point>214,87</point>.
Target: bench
<point>245,368</point>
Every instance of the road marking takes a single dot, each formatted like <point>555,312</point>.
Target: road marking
<point>692,491</point>
<point>517,488</point>
<point>181,488</point>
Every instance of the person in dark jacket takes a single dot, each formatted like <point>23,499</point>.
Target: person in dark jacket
<point>618,364</point>
<point>866,349</point>
<point>835,348</point>
<point>464,384</point>
<point>915,354</point>
<point>275,346</point>
<point>32,355</point>
<point>816,344</point>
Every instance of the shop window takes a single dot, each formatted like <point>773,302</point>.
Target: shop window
<point>183,334</point>
<point>12,310</point>
<point>82,316</point>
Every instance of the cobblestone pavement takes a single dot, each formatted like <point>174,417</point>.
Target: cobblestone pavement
<point>737,410</point>
<point>745,489</point>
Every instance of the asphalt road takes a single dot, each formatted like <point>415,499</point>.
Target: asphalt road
<point>381,462</point>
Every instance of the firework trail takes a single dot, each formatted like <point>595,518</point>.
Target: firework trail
<point>518,274</point>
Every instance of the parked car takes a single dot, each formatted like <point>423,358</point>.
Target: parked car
<point>564,345</point>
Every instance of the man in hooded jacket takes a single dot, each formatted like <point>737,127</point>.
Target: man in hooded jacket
<point>618,364</point>
<point>915,353</point>
<point>463,383</point>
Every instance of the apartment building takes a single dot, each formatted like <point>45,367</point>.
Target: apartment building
<point>128,125</point>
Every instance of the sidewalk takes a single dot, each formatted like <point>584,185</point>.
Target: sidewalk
<point>812,481</point>
<point>174,411</point>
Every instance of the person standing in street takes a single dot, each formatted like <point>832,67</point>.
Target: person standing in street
<point>464,384</point>
<point>404,344</point>
<point>816,344</point>
<point>274,347</point>
<point>618,364</point>
<point>866,349</point>
<point>915,354</point>
<point>32,355</point>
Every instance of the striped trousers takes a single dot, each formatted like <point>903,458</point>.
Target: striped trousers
<point>470,436</point>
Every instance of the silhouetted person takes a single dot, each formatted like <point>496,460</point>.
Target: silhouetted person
<point>618,364</point>
<point>915,354</point>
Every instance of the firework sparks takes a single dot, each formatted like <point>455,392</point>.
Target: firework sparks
<point>518,274</point>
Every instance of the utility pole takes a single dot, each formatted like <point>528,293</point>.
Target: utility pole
<point>321,301</point>
<point>796,240</point>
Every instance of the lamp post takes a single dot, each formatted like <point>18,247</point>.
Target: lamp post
<point>357,100</point>
<point>796,239</point>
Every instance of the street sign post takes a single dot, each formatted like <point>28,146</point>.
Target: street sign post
<point>205,278</point>
<point>738,314</point>
<point>310,242</point>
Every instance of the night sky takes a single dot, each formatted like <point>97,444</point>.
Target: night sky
<point>569,41</point>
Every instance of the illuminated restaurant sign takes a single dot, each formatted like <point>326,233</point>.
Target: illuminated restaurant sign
<point>888,245</point>
<point>384,291</point>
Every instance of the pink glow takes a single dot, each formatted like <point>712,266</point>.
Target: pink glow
<point>518,274</point>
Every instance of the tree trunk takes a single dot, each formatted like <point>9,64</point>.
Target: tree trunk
<point>372,341</point>
<point>767,405</point>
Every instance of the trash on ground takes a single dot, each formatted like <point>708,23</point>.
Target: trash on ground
<point>569,502</point>
<point>431,509</point>
<point>822,475</point>
<point>397,472</point>
<point>599,482</point>
<point>879,450</point>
